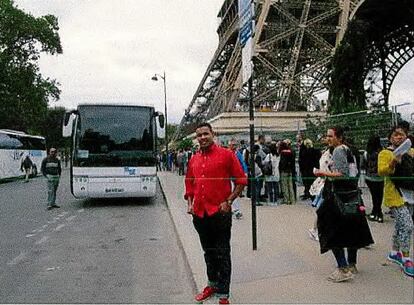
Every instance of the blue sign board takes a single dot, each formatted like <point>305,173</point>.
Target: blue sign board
<point>245,20</point>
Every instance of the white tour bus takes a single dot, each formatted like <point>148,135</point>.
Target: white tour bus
<point>14,147</point>
<point>113,150</point>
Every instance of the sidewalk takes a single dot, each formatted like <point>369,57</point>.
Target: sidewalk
<point>287,266</point>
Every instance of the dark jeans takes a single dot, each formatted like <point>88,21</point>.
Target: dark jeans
<point>307,182</point>
<point>259,185</point>
<point>341,259</point>
<point>181,170</point>
<point>249,187</point>
<point>376,188</point>
<point>272,191</point>
<point>215,233</point>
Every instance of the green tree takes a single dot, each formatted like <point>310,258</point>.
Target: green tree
<point>185,143</point>
<point>24,92</point>
<point>347,92</point>
<point>171,128</point>
<point>51,128</point>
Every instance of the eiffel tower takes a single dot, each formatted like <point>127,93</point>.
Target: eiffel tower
<point>293,43</point>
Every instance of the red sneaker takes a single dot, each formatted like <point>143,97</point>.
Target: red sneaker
<point>207,293</point>
<point>224,301</point>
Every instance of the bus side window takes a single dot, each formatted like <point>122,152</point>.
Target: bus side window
<point>10,142</point>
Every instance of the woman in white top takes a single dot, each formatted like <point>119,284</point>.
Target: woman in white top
<point>272,177</point>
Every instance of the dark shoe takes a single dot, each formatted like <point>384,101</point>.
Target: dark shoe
<point>259,204</point>
<point>207,293</point>
<point>55,206</point>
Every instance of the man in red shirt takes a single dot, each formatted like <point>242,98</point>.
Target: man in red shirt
<point>209,197</point>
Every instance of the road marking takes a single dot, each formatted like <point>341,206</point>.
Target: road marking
<point>51,221</point>
<point>71,218</point>
<point>42,240</point>
<point>30,235</point>
<point>59,227</point>
<point>17,259</point>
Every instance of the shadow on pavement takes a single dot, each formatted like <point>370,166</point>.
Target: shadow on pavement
<point>116,202</point>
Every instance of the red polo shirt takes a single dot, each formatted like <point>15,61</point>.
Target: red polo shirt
<point>208,178</point>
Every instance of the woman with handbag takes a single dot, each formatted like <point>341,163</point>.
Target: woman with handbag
<point>341,217</point>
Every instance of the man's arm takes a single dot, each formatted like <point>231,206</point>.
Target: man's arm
<point>43,167</point>
<point>240,182</point>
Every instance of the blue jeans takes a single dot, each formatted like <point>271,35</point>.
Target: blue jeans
<point>52,185</point>
<point>272,191</point>
<point>341,259</point>
<point>259,185</point>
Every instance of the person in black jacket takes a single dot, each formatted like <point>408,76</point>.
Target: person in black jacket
<point>26,166</point>
<point>308,160</point>
<point>286,169</point>
<point>51,169</point>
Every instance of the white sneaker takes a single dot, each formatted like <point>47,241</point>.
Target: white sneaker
<point>340,275</point>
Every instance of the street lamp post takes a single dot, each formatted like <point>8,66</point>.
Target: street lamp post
<point>155,78</point>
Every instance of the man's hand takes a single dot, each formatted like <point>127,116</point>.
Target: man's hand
<point>225,207</point>
<point>190,206</point>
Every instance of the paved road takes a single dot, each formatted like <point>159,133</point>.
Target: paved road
<point>115,251</point>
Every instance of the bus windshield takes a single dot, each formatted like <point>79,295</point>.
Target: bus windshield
<point>115,136</point>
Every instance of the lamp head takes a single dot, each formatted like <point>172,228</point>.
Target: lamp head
<point>154,78</point>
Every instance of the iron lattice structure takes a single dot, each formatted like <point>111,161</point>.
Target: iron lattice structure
<point>390,28</point>
<point>294,42</point>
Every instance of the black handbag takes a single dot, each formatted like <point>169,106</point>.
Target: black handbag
<point>349,202</point>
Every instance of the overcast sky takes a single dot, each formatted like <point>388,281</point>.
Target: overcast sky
<point>112,48</point>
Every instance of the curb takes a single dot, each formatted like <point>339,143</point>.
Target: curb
<point>179,241</point>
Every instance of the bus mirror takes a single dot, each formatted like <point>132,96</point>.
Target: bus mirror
<point>68,124</point>
<point>66,118</point>
<point>161,120</point>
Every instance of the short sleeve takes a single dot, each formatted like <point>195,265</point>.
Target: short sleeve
<point>340,162</point>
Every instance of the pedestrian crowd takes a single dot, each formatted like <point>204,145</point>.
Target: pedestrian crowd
<point>331,177</point>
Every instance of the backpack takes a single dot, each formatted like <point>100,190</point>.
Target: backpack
<point>267,167</point>
<point>352,163</point>
<point>403,177</point>
<point>27,163</point>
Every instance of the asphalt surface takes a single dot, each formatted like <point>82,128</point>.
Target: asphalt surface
<point>88,251</point>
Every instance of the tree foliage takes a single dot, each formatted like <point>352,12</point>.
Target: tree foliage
<point>51,128</point>
<point>185,143</point>
<point>24,92</point>
<point>347,93</point>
